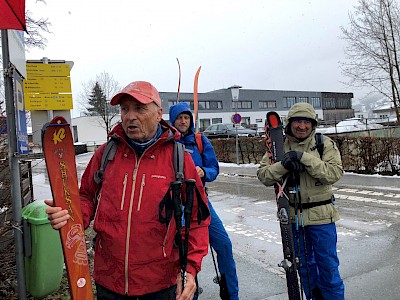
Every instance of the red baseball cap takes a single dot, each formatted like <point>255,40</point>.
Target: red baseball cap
<point>142,91</point>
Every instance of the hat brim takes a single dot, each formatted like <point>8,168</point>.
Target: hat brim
<point>139,97</point>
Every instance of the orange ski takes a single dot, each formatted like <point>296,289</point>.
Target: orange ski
<point>59,154</point>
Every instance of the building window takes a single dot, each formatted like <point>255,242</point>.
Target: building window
<point>210,105</point>
<point>215,104</point>
<point>173,102</point>
<point>267,104</point>
<point>330,103</point>
<point>302,99</point>
<point>316,101</point>
<point>245,121</point>
<point>343,103</point>
<point>242,104</point>
<point>204,123</point>
<point>216,120</point>
<point>75,130</point>
<point>290,101</point>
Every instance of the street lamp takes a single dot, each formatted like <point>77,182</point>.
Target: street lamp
<point>235,98</point>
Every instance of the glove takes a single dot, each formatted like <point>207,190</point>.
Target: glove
<point>291,161</point>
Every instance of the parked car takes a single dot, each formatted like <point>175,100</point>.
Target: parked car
<point>224,130</point>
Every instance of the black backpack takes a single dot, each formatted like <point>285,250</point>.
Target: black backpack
<point>319,144</point>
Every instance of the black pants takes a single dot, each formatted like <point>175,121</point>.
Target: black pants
<point>165,294</point>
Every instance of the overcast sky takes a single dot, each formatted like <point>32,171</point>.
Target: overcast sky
<point>264,44</point>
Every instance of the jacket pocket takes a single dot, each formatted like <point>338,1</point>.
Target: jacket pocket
<point>323,212</point>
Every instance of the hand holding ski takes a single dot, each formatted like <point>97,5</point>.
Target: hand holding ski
<point>274,143</point>
<point>60,162</point>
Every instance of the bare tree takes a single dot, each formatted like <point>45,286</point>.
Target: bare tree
<point>372,58</point>
<point>96,96</point>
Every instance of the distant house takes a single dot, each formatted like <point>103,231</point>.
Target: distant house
<point>90,129</point>
<point>386,113</point>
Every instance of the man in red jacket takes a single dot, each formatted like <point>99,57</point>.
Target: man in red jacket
<point>136,257</point>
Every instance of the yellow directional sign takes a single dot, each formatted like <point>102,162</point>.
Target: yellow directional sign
<point>48,101</point>
<point>47,85</point>
<point>47,70</point>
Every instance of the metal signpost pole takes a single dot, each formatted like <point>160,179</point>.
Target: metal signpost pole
<point>14,165</point>
<point>237,139</point>
<point>235,97</point>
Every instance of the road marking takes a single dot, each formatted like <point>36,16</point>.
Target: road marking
<point>366,192</point>
<point>364,199</point>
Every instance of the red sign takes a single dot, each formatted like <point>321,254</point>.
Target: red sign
<point>12,14</point>
<point>236,118</point>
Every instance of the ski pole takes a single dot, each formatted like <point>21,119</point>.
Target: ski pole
<point>298,198</point>
<point>190,183</point>
<point>176,197</point>
<point>293,198</point>
<point>221,280</point>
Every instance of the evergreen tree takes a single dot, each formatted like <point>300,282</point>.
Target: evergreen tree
<point>97,102</point>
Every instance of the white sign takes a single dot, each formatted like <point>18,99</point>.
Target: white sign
<point>16,48</point>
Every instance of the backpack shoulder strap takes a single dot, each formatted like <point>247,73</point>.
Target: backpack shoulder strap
<point>178,154</point>
<point>108,155</point>
<point>319,139</point>
<point>199,141</point>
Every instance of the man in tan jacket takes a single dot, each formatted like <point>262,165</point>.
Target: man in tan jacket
<point>312,175</point>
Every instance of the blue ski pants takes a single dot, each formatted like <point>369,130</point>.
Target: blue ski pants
<point>322,260</point>
<point>221,243</point>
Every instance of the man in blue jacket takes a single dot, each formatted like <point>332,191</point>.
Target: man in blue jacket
<point>181,117</point>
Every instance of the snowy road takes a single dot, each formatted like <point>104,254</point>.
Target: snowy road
<point>368,236</point>
<point>368,233</point>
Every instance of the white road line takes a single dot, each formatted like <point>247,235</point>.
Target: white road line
<point>364,199</point>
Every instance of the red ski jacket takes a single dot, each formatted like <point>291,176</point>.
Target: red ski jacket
<point>135,253</point>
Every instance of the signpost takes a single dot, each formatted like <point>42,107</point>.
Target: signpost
<point>48,86</point>
<point>47,89</point>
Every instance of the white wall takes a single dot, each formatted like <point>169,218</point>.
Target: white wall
<point>91,129</point>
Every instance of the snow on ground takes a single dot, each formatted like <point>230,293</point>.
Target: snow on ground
<point>353,124</point>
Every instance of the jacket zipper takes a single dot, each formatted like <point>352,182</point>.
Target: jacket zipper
<point>128,233</point>
<point>97,202</point>
<point>165,240</point>
<point>124,191</point>
<point>142,184</point>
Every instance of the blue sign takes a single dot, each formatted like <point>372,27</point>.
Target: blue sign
<point>20,117</point>
<point>236,118</point>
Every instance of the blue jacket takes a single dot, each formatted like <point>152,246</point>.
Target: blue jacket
<point>208,160</point>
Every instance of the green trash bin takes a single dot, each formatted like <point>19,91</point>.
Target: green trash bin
<point>44,259</point>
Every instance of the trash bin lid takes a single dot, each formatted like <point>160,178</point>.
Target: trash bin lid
<point>35,213</point>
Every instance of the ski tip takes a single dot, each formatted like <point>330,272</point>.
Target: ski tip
<point>58,120</point>
<point>273,119</point>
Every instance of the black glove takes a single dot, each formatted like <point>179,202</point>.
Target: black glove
<point>291,161</point>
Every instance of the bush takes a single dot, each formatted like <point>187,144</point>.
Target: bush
<point>365,155</point>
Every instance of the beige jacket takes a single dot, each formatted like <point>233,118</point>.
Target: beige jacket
<point>315,182</point>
